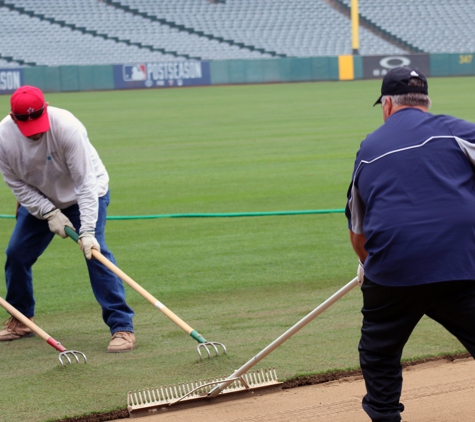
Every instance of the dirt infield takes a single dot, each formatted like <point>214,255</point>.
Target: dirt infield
<point>436,391</point>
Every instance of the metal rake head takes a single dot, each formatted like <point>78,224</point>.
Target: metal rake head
<point>213,344</point>
<point>148,401</point>
<point>74,353</point>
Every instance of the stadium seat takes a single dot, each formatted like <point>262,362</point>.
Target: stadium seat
<point>104,32</point>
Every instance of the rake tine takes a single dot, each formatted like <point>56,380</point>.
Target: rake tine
<point>74,353</point>
<point>213,344</point>
<point>146,295</point>
<point>75,356</point>
<point>203,345</point>
<point>82,354</point>
<point>61,355</point>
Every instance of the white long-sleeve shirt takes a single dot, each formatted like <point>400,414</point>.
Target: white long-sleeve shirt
<point>59,170</point>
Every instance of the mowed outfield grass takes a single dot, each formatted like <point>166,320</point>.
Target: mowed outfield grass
<point>240,281</point>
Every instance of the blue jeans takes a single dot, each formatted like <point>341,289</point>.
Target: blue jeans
<point>29,240</point>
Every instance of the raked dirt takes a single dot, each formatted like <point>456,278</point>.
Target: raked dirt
<point>436,391</point>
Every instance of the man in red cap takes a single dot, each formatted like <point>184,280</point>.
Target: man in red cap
<point>59,180</point>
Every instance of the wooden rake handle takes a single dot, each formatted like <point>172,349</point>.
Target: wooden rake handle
<point>139,289</point>
<point>30,324</point>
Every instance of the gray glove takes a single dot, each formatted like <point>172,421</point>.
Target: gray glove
<point>57,221</point>
<point>88,241</point>
<point>360,273</point>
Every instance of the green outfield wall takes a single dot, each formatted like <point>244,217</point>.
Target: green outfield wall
<point>228,72</point>
<point>70,78</point>
<point>452,64</point>
<point>273,70</point>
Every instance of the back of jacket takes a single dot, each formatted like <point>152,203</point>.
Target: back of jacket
<point>413,197</point>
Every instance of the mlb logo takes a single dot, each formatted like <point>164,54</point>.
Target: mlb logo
<point>136,72</point>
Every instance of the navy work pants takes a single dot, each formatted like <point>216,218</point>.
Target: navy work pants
<point>390,314</point>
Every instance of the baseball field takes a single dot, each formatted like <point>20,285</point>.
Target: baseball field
<point>239,280</point>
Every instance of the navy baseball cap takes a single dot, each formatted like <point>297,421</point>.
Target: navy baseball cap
<point>396,82</point>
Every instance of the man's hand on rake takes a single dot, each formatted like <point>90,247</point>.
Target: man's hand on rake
<point>57,221</point>
<point>88,241</point>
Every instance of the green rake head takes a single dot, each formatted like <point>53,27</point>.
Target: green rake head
<point>205,344</point>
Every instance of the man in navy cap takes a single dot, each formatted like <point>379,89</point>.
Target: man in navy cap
<point>411,215</point>
<point>59,180</point>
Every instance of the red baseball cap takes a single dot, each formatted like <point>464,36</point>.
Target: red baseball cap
<point>30,110</point>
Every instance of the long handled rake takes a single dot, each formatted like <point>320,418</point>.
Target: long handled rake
<point>289,333</point>
<point>203,343</point>
<point>63,355</point>
<point>148,400</point>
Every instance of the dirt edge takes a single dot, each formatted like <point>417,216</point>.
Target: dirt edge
<point>293,383</point>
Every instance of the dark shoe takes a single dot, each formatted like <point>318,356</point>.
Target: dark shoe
<point>15,330</point>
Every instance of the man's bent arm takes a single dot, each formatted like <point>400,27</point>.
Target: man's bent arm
<point>358,241</point>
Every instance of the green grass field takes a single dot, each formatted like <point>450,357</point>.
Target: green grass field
<point>240,281</point>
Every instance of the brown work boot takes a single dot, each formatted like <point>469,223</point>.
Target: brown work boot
<point>15,330</point>
<point>122,341</point>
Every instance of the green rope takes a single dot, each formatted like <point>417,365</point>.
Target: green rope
<point>197,215</point>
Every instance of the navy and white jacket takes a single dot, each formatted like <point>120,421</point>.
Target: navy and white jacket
<point>413,196</point>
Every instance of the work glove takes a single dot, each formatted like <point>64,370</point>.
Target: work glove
<point>57,221</point>
<point>360,272</point>
<point>88,241</point>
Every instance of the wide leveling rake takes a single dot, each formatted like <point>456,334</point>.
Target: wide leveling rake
<point>204,345</point>
<point>143,402</point>
<point>63,355</point>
